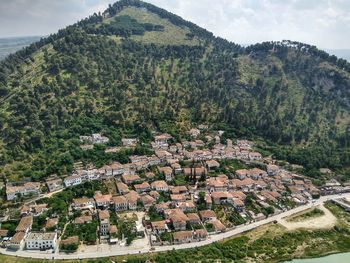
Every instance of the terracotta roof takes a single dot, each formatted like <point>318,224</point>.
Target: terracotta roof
<point>25,223</point>
<point>181,235</point>
<point>120,199</point>
<point>122,187</point>
<point>70,240</point>
<point>103,214</point>
<point>193,217</point>
<point>113,229</point>
<point>158,225</point>
<point>18,237</point>
<point>218,226</point>
<point>159,184</point>
<point>3,232</point>
<point>130,177</point>
<point>207,214</point>
<point>51,222</point>
<point>83,219</point>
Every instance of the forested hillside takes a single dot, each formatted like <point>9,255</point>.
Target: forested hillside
<point>137,68</point>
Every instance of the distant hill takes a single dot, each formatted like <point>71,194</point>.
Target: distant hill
<point>136,68</point>
<point>12,44</point>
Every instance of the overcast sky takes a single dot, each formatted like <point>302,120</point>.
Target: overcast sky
<point>325,23</point>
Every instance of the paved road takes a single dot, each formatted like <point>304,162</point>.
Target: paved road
<point>118,251</point>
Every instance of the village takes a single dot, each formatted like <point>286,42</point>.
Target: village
<point>184,192</point>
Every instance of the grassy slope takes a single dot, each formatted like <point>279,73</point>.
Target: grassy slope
<point>172,35</point>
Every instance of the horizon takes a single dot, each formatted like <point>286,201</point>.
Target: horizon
<point>322,23</point>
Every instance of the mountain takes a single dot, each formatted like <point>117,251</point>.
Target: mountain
<point>136,68</point>
<point>12,44</point>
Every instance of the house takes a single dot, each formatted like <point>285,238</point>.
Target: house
<point>122,188</point>
<point>17,241</point>
<point>120,203</point>
<point>130,178</point>
<point>272,169</point>
<point>147,201</point>
<point>207,215</point>
<point>176,168</point>
<point>193,218</point>
<point>208,201</point>
<point>178,218</point>
<point>132,197</point>
<point>39,209</point>
<point>83,203</point>
<point>160,186</point>
<point>245,185</point>
<point>167,171</point>
<point>218,226</point>
<point>182,237</point>
<point>238,205</point>
<point>159,227</point>
<point>51,223</point>
<point>175,198</point>
<point>41,240</point>
<point>217,184</point>
<point>95,138</point>
<point>54,184</point>
<point>220,198</point>
<point>153,160</point>
<point>3,233</point>
<point>161,140</point>
<point>150,175</point>
<point>256,173</point>
<point>242,173</point>
<point>194,132</point>
<point>212,164</point>
<point>161,207</point>
<point>163,155</point>
<point>73,180</point>
<point>83,219</point>
<point>182,189</point>
<point>154,194</point>
<point>70,240</point>
<point>144,187</point>
<point>28,188</point>
<point>104,216</point>
<point>255,156</point>
<point>102,201</point>
<point>25,224</point>
<point>200,234</point>
<point>238,195</point>
<point>129,142</point>
<point>113,169</point>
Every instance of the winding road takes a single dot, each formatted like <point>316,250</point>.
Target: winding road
<point>109,251</point>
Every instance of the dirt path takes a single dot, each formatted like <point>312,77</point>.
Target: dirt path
<point>327,220</point>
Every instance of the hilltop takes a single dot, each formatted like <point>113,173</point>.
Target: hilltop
<point>136,68</point>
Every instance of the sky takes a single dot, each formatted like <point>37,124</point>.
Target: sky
<point>324,23</point>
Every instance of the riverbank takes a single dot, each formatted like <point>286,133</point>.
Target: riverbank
<point>268,243</point>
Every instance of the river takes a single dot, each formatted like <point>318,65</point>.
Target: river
<point>336,258</point>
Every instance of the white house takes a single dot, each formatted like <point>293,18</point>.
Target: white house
<point>41,241</point>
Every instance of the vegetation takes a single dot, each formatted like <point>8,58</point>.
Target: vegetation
<point>107,74</point>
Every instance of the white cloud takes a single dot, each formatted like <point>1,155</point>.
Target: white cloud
<point>325,23</point>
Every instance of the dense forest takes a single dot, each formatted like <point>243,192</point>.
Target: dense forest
<point>137,68</point>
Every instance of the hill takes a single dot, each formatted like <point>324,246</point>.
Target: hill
<point>137,68</point>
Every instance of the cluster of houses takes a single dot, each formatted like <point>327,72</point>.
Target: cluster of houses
<point>145,180</point>
<point>24,237</point>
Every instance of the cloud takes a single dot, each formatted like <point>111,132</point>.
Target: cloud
<point>325,23</point>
